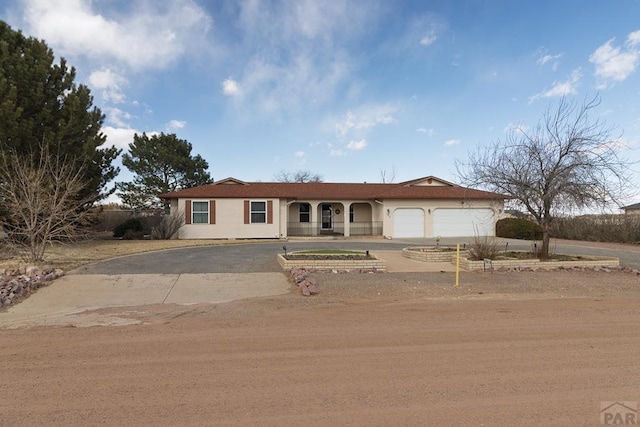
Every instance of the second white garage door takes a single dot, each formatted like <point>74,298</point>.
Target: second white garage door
<point>462,222</point>
<point>408,222</point>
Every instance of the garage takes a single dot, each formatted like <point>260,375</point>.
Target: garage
<point>463,222</point>
<point>408,222</point>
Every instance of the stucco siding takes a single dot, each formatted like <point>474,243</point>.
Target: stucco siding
<point>230,222</point>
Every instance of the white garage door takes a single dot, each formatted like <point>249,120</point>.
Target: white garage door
<point>408,223</point>
<point>463,222</point>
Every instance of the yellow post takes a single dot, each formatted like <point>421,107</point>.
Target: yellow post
<point>457,264</point>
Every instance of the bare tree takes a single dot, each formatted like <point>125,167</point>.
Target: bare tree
<point>388,177</point>
<point>40,199</point>
<point>567,162</point>
<point>301,176</point>
<point>168,226</point>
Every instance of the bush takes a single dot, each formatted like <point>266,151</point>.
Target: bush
<point>108,220</point>
<point>168,226</point>
<point>518,228</point>
<point>483,247</point>
<point>599,228</point>
<point>133,225</point>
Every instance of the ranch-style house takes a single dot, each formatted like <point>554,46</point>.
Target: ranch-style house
<point>423,207</point>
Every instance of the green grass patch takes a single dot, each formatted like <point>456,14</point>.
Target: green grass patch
<point>329,252</point>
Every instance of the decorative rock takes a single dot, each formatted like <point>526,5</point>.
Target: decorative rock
<point>307,285</point>
<point>18,283</point>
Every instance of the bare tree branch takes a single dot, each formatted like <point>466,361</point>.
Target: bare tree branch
<point>566,162</point>
<point>300,176</point>
<point>40,197</point>
<point>388,178</point>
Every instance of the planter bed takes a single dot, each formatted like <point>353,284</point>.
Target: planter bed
<point>470,265</point>
<point>436,254</point>
<point>330,262</point>
<point>430,253</point>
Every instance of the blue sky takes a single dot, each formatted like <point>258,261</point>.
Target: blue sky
<point>346,89</point>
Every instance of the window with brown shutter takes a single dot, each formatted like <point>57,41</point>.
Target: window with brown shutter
<point>270,212</point>
<point>212,211</point>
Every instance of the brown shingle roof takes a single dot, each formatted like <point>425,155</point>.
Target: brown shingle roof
<point>330,191</point>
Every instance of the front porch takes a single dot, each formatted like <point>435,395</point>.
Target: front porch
<point>308,219</point>
<point>371,228</point>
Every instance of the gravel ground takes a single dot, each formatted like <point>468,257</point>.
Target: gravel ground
<point>527,349</point>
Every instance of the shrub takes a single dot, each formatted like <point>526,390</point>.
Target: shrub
<point>518,228</point>
<point>483,247</point>
<point>599,228</point>
<point>107,220</point>
<point>133,225</point>
<point>168,226</point>
<point>133,235</point>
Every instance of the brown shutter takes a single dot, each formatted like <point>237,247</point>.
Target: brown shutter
<point>187,211</point>
<point>269,211</point>
<point>246,212</point>
<point>212,211</point>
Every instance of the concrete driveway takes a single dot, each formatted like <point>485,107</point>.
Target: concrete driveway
<point>260,258</point>
<point>216,274</point>
<point>67,300</point>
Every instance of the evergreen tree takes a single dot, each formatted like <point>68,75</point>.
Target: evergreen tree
<point>161,163</point>
<point>41,104</point>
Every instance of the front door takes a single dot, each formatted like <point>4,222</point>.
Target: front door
<point>326,216</point>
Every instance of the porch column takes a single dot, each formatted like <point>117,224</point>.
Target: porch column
<point>347,217</point>
<point>314,217</point>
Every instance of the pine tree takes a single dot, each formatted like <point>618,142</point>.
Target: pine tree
<point>41,104</point>
<point>161,163</point>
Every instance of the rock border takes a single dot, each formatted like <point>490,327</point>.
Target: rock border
<point>369,264</point>
<point>17,284</point>
<point>307,285</point>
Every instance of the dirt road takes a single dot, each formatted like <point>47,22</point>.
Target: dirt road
<point>380,349</point>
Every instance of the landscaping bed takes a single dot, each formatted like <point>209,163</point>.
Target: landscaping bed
<point>507,259</point>
<point>331,260</point>
<point>429,253</point>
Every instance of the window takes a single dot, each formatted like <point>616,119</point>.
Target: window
<point>351,214</point>
<point>305,212</point>
<point>200,212</point>
<point>258,212</point>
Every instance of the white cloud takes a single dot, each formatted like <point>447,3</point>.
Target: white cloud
<point>367,117</point>
<point>294,53</point>
<point>544,58</point>
<point>146,35</point>
<point>385,120</point>
<point>110,83</point>
<point>356,145</point>
<point>429,132</point>
<point>176,124</point>
<point>559,89</point>
<point>117,117</point>
<point>301,156</point>
<point>614,63</point>
<point>230,87</point>
<point>120,137</point>
<point>429,39</point>
<point>337,152</point>
<point>451,142</point>
<point>633,39</point>
<point>271,85</point>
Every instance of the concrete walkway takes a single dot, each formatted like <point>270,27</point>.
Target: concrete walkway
<point>396,263</point>
<point>66,301</point>
<point>62,302</point>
